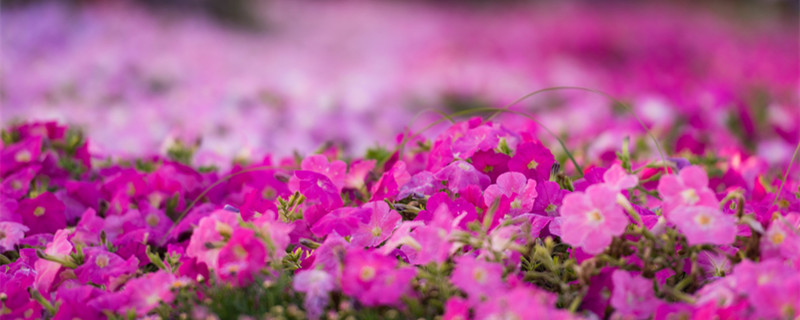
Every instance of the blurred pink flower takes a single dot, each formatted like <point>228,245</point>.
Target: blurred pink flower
<point>592,218</point>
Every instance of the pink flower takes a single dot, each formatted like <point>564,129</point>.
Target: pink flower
<point>689,188</point>
<point>521,303</point>
<point>633,295</point>
<point>334,170</point>
<point>617,178</point>
<point>520,191</point>
<point>10,234</point>
<point>456,309</point>
<point>388,185</point>
<point>43,214</point>
<point>532,159</point>
<point>46,271</point>
<point>704,225</point>
<point>781,238</point>
<point>211,230</point>
<point>242,258</point>
<point>592,219</point>
<point>373,279</point>
<point>382,221</point>
<point>477,278</point>
<point>359,169</point>
<point>316,284</point>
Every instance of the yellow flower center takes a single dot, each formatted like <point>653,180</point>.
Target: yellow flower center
<point>703,219</point>
<point>367,273</point>
<point>152,219</point>
<point>101,261</point>
<point>23,156</point>
<point>533,164</point>
<point>690,196</point>
<point>39,211</point>
<point>516,204</point>
<point>239,251</point>
<point>594,216</point>
<point>479,275</point>
<point>376,231</point>
<point>550,208</point>
<point>777,238</point>
<point>223,229</point>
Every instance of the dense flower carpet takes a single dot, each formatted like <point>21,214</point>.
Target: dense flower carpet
<point>626,195</point>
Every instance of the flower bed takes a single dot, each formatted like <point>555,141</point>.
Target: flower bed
<point>479,222</point>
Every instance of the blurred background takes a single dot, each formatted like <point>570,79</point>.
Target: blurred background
<point>253,77</point>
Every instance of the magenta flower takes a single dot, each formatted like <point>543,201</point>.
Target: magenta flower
<point>633,295</point>
<point>390,182</point>
<point>704,225</point>
<point>549,197</point>
<point>456,309</point>
<point>617,178</point>
<point>10,235</point>
<point>491,163</point>
<point>342,221</point>
<point>520,191</point>
<point>592,219</point>
<point>316,187</point>
<point>689,188</point>
<point>382,221</point>
<point>141,294</point>
<point>17,184</point>
<point>373,279</point>
<point>316,284</point>
<point>103,268</point>
<point>241,259</point>
<point>458,175</point>
<point>782,238</point>
<point>477,278</point>
<point>334,170</point>
<point>20,154</point>
<point>43,214</point>
<point>532,159</point>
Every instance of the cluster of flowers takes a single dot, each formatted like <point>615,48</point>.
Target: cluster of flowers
<point>682,68</point>
<point>480,222</point>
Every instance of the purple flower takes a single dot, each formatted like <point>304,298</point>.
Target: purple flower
<point>460,174</point>
<point>17,184</point>
<point>316,187</point>
<point>316,284</point>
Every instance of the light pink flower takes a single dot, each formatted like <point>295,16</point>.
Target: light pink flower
<point>633,295</point>
<point>592,219</point>
<point>617,178</point>
<point>520,191</point>
<point>479,279</point>
<point>704,225</point>
<point>689,188</point>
